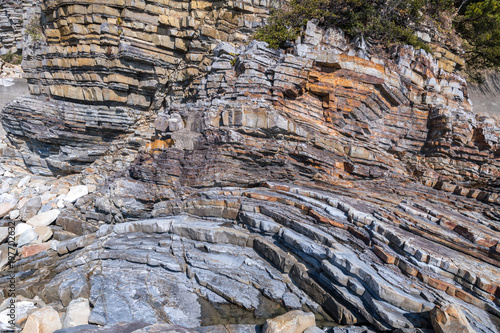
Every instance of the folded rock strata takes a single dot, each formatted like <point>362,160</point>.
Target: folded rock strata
<point>343,257</point>
<point>231,182</point>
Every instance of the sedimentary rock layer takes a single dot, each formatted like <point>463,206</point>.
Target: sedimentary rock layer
<point>373,253</point>
<point>14,17</point>
<point>115,61</point>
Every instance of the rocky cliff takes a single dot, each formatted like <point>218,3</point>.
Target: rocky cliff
<point>14,17</point>
<point>197,177</point>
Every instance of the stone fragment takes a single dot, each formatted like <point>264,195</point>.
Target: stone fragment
<point>27,237</point>
<point>22,310</point>
<point>383,255</point>
<point>121,327</point>
<point>166,328</point>
<point>20,228</point>
<point>295,321</point>
<point>76,192</point>
<point>313,329</point>
<point>4,233</point>
<point>224,48</point>
<point>77,313</point>
<point>9,174</point>
<point>450,319</point>
<point>14,214</point>
<point>24,181</point>
<point>44,233</point>
<point>31,250</point>
<point>4,255</point>
<point>44,219</point>
<point>5,208</point>
<point>45,320</point>
<point>30,208</point>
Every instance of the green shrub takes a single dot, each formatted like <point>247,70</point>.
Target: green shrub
<point>395,21</point>
<point>386,21</point>
<point>479,25</point>
<point>34,29</point>
<point>12,58</point>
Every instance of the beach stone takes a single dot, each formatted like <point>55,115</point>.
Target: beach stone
<point>76,192</point>
<point>30,208</point>
<point>45,320</point>
<point>20,228</point>
<point>4,233</point>
<point>77,313</point>
<point>22,308</point>
<point>44,233</point>
<point>165,328</point>
<point>14,214</point>
<point>5,208</point>
<point>4,255</point>
<point>31,250</point>
<point>27,237</point>
<point>295,321</point>
<point>44,219</point>
<point>24,181</point>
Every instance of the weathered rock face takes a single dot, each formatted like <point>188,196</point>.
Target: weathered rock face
<point>113,63</point>
<point>379,254</point>
<point>334,178</point>
<point>11,25</point>
<point>449,319</point>
<point>16,23</point>
<point>401,114</point>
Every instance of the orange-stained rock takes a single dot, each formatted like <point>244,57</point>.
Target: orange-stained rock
<point>450,319</point>
<point>31,250</point>
<point>324,219</point>
<point>158,145</point>
<point>358,234</point>
<point>438,284</point>
<point>384,256</point>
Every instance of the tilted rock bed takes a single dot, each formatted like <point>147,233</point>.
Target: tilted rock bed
<point>241,256</point>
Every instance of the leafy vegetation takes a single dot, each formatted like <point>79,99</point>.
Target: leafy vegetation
<point>34,29</point>
<point>476,21</point>
<point>12,58</point>
<point>392,20</point>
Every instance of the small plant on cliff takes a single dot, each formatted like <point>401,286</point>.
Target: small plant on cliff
<point>12,58</point>
<point>34,29</point>
<point>235,58</point>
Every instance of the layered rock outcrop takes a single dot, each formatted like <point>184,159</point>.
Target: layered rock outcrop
<point>218,178</point>
<point>11,24</point>
<point>15,16</point>
<point>113,63</point>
